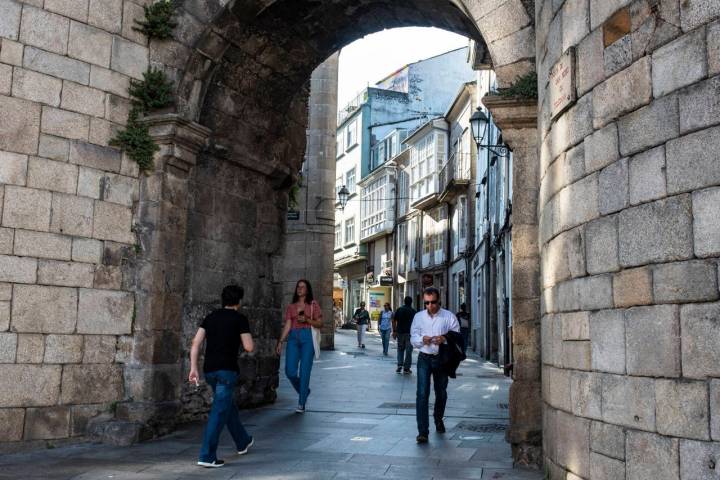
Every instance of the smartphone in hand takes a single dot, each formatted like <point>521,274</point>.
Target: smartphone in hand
<point>301,316</point>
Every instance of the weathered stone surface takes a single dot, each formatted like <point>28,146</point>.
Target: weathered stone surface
<point>109,81</point>
<point>90,182</point>
<point>102,131</point>
<point>47,423</point>
<point>106,14</point>
<point>715,409</point>
<point>40,309</point>
<point>706,228</point>
<point>695,13</point>
<point>81,99</point>
<point>11,52</point>
<point>5,79</point>
<point>700,105</point>
<point>700,327</point>
<point>37,87</point>
<point>87,250</point>
<point>629,401</point>
<point>613,187</point>
<point>13,168</point>
<point>682,282</point>
<point>19,125</point>
<point>4,316</point>
<point>42,245</point>
<point>65,274</point>
<point>576,204</point>
<point>691,161</point>
<point>622,93</point>
<point>647,176</point>
<point>682,409</point>
<point>601,245</point>
<point>17,269</point>
<point>72,215</point>
<point>607,337</point>
<point>30,348</point>
<point>8,347</point>
<point>651,456</point>
<point>589,293</point>
<point>112,222</point>
<point>108,277</point>
<point>7,236</point>
<point>618,55</point>
<point>601,148</point>
<point>590,70</point>
<point>649,126</point>
<point>576,355</point>
<point>698,460</point>
<point>564,258</point>
<point>575,21</point>
<point>713,48</point>
<point>572,126</point>
<point>77,9</point>
<point>606,468</point>
<point>656,232</point>
<point>90,44</point>
<point>26,208</point>
<point>119,189</point>
<point>45,30</point>
<point>586,394</point>
<point>105,312</point>
<point>556,387</point>
<point>63,349</point>
<point>573,449</point>
<point>132,12</point>
<point>10,19</point>
<point>601,10</point>
<point>62,123</point>
<point>56,65</point>
<point>91,383</point>
<point>99,349</point>
<point>661,357</point>
<point>607,439</point>
<point>679,63</point>
<point>632,287</point>
<point>575,326</point>
<point>29,385</point>
<point>94,156</point>
<point>51,175</point>
<point>54,148</point>
<point>129,58</point>
<point>81,415</point>
<point>117,109</point>
<point>11,419</point>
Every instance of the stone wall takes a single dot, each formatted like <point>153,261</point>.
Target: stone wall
<point>630,188</point>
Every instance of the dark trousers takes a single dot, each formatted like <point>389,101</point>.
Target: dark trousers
<point>465,331</point>
<point>404,351</point>
<point>427,366</point>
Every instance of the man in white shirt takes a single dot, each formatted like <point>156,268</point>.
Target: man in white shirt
<point>427,333</point>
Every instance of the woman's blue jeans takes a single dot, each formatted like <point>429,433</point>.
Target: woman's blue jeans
<point>385,335</point>
<point>299,358</point>
<point>223,412</point>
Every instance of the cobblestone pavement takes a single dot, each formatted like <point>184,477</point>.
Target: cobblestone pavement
<point>360,424</point>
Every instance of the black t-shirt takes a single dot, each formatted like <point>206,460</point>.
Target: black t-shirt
<point>222,332</point>
<point>404,317</point>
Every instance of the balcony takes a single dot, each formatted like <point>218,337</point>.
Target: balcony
<point>352,107</point>
<point>455,175</point>
<point>428,199</point>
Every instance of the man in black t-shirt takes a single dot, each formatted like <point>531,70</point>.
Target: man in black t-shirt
<point>402,320</point>
<point>223,331</point>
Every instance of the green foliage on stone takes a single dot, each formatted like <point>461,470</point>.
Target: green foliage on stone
<point>158,21</point>
<point>293,194</point>
<point>136,141</point>
<point>524,87</point>
<point>155,91</point>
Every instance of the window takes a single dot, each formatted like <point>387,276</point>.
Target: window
<point>463,221</point>
<point>351,134</point>
<point>350,181</point>
<point>339,150</point>
<point>350,230</point>
<point>376,200</point>
<point>338,235</point>
<point>425,157</point>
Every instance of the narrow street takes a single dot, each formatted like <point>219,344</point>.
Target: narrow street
<point>360,424</point>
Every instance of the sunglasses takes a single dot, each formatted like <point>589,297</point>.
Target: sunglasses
<point>434,302</point>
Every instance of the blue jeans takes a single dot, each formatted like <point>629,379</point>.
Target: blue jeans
<point>385,335</point>
<point>428,365</point>
<point>405,348</point>
<point>299,353</point>
<point>223,412</point>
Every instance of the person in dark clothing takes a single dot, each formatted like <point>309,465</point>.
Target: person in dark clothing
<point>223,331</point>
<point>362,318</point>
<point>401,322</point>
<point>464,318</point>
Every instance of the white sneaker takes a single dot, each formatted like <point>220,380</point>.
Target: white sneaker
<point>252,442</point>
<point>215,464</point>
<point>300,409</point>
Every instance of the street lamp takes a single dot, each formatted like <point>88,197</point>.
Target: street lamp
<point>479,123</point>
<point>343,195</point>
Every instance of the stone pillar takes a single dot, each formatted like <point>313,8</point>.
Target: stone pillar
<point>153,371</point>
<point>517,118</point>
<point>310,238</point>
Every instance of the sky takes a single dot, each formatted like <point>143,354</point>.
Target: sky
<point>370,59</point>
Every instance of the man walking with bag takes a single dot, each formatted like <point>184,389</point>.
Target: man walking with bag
<point>401,322</point>
<point>427,333</point>
<point>223,331</point>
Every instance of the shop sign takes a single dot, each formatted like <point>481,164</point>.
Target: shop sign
<point>386,281</point>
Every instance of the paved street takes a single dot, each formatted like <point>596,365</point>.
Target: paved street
<point>360,424</point>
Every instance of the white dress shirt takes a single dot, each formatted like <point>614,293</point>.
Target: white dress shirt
<point>431,326</point>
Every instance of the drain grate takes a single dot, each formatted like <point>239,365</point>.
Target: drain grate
<point>399,406</point>
<point>503,406</point>
<point>482,427</point>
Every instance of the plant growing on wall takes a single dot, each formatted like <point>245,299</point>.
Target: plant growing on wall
<point>153,92</point>
<point>135,139</point>
<point>524,87</point>
<point>158,22</point>
<point>293,194</point>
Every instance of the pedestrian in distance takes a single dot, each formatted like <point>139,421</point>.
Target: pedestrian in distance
<point>223,331</point>
<point>428,332</point>
<point>401,322</point>
<point>385,327</point>
<point>361,317</point>
<point>464,318</point>
<point>302,316</point>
